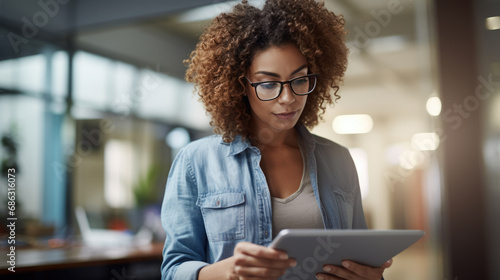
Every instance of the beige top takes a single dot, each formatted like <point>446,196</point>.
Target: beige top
<point>300,209</point>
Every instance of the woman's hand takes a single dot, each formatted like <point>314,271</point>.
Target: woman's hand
<point>351,270</point>
<point>252,261</point>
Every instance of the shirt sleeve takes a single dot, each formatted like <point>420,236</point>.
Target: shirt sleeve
<point>184,250</point>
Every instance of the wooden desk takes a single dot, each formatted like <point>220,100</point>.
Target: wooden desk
<point>138,262</point>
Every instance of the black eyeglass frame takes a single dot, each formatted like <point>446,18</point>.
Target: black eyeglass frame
<point>254,85</point>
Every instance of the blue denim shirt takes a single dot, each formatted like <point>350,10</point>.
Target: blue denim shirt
<point>216,196</point>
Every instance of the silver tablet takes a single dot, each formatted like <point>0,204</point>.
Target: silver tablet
<point>313,248</point>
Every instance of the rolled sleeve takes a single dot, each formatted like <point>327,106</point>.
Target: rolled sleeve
<point>189,270</point>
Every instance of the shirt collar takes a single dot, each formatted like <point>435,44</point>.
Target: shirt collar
<point>237,146</point>
<point>307,137</point>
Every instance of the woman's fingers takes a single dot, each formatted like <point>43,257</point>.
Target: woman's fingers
<point>352,270</point>
<point>248,260</point>
<point>256,255</point>
<point>259,251</point>
<point>387,264</point>
<point>336,272</point>
<point>252,260</point>
<point>367,272</point>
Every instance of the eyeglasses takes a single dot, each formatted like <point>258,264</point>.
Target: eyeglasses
<point>270,90</point>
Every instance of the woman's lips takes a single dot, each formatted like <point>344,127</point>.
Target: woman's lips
<point>285,116</point>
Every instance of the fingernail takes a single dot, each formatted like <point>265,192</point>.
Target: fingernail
<point>345,264</point>
<point>327,269</point>
<point>292,264</point>
<point>320,277</point>
<point>284,257</point>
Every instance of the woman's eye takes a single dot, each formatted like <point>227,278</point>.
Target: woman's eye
<point>268,86</point>
<point>300,81</point>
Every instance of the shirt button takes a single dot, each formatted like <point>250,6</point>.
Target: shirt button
<point>266,233</point>
<point>218,202</point>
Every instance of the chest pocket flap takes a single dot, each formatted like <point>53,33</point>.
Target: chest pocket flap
<point>223,216</point>
<point>223,200</point>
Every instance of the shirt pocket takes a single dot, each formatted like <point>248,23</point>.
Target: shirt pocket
<point>223,215</point>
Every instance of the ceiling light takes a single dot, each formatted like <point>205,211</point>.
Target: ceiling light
<point>205,12</point>
<point>388,44</point>
<point>352,124</point>
<point>211,11</point>
<point>433,106</point>
<point>493,23</point>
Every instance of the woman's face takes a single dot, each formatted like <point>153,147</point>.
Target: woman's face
<point>276,64</point>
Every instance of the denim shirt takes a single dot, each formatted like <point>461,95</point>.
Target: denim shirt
<point>217,195</point>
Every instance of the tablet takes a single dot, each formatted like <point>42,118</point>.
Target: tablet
<point>313,248</point>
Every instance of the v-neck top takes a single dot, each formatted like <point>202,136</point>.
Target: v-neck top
<point>300,209</point>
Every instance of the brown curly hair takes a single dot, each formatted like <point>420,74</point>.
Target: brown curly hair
<point>226,49</point>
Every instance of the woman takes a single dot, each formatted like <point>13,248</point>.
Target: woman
<point>265,76</point>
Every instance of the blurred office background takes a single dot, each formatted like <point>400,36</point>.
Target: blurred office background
<point>94,107</point>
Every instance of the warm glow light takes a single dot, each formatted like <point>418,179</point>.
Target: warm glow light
<point>352,124</point>
<point>433,106</point>
<point>117,176</point>
<point>410,159</point>
<point>360,159</point>
<point>493,23</point>
<point>494,115</point>
<point>425,141</point>
<point>394,152</point>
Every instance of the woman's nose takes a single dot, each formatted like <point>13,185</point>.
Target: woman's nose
<point>287,96</point>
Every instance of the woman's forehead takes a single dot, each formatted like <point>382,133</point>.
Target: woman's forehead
<point>283,59</point>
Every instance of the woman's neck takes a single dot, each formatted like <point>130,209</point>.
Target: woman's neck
<point>274,139</point>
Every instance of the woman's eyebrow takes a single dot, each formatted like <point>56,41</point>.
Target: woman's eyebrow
<point>298,69</point>
<point>276,75</point>
<point>268,73</point>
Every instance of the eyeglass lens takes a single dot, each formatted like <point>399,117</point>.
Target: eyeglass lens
<point>300,86</point>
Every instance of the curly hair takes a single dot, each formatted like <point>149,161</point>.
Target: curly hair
<point>226,49</point>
